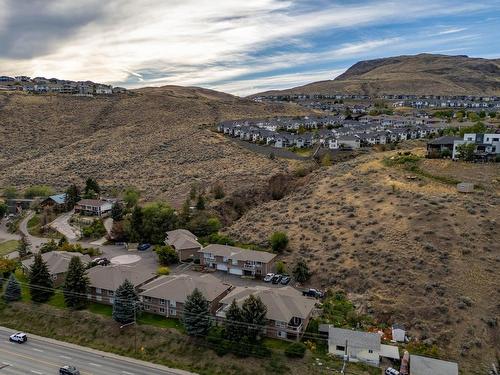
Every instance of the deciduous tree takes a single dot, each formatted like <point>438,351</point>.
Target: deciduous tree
<point>278,241</point>
<point>301,271</point>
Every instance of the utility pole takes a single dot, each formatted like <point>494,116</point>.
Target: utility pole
<point>134,322</point>
<point>346,359</point>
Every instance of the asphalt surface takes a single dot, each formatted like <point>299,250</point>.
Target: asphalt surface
<point>41,356</point>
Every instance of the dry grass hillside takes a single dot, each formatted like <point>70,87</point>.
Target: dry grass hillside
<point>157,139</point>
<point>422,74</point>
<point>413,251</point>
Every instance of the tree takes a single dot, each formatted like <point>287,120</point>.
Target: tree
<point>92,189</point>
<point>166,255</point>
<point>76,285</point>
<point>131,197</point>
<point>62,241</point>
<point>157,219</point>
<point>466,151</point>
<point>117,211</point>
<point>253,313</point>
<point>38,191</point>
<point>7,266</point>
<point>185,213</point>
<point>203,224</point>
<point>278,241</point>
<point>295,350</point>
<point>218,191</point>
<point>49,246</point>
<point>280,267</point>
<point>233,323</point>
<point>200,202</point>
<point>41,285</point>
<point>24,247</point>
<point>196,316</point>
<point>301,271</point>
<point>12,290</point>
<point>133,227</point>
<point>72,196</point>
<point>3,209</point>
<point>125,303</point>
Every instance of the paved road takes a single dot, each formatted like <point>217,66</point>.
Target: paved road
<point>62,225</point>
<point>35,242</point>
<point>41,356</point>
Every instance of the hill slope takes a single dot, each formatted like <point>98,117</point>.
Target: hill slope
<point>414,252</point>
<point>157,139</point>
<point>420,75</point>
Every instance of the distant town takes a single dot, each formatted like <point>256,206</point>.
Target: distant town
<point>42,85</point>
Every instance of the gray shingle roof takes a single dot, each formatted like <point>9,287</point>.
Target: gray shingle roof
<point>57,261</point>
<point>237,253</point>
<point>426,366</point>
<point>355,339</point>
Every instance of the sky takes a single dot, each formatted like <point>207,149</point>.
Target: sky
<point>237,46</point>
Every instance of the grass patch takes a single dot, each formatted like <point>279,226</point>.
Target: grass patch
<point>304,152</point>
<point>275,344</point>
<point>100,309</point>
<point>57,300</point>
<point>36,223</point>
<point>341,312</point>
<point>8,247</point>
<point>159,321</point>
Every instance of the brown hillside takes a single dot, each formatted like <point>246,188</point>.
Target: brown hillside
<point>422,74</point>
<point>157,139</point>
<point>409,251</point>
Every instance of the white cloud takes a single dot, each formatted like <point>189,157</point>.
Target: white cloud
<point>201,42</point>
<point>451,31</point>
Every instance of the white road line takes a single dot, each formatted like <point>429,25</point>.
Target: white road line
<point>65,357</point>
<point>36,372</point>
<point>94,364</point>
<point>37,350</point>
<point>127,373</point>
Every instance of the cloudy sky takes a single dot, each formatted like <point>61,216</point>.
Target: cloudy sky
<point>237,46</point>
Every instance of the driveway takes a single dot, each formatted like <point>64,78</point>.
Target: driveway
<point>4,232</point>
<point>35,242</point>
<point>62,225</point>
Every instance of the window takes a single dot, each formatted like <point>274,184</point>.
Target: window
<point>370,351</point>
<point>147,299</point>
<point>495,139</point>
<point>111,300</point>
<point>340,348</point>
<point>162,309</point>
<point>98,291</point>
<point>162,301</point>
<point>111,293</point>
<point>172,312</point>
<point>172,303</point>
<point>98,298</point>
<point>147,307</point>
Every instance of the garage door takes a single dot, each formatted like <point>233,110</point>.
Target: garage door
<point>236,271</point>
<point>221,267</point>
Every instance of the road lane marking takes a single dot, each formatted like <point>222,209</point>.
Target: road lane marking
<point>65,357</point>
<point>37,360</point>
<point>94,364</point>
<point>127,373</point>
<point>37,350</point>
<point>36,372</point>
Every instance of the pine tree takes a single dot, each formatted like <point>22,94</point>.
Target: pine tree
<point>72,197</point>
<point>117,211</point>
<point>196,314</point>
<point>253,313</point>
<point>125,303</point>
<point>76,285</point>
<point>92,189</point>
<point>12,290</point>
<point>301,271</point>
<point>200,203</point>
<point>233,324</point>
<point>41,285</point>
<point>24,247</point>
<point>135,227</point>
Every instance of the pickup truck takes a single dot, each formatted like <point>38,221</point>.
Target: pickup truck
<point>312,293</point>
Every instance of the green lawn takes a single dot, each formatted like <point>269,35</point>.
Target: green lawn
<point>8,247</point>
<point>100,309</point>
<point>159,321</point>
<point>57,300</point>
<point>275,344</point>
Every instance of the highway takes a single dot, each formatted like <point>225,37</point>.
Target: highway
<point>42,356</point>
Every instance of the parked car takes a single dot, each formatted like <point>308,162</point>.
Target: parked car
<point>285,280</point>
<point>268,278</point>
<point>276,278</point>
<point>103,262</point>
<point>312,293</point>
<point>19,337</point>
<point>391,371</point>
<point>68,370</point>
<point>143,246</point>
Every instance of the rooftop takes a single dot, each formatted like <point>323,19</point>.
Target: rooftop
<point>237,253</point>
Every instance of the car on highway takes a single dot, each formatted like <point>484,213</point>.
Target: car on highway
<point>285,280</point>
<point>19,337</point>
<point>277,278</point>
<point>268,277</point>
<point>312,293</point>
<point>143,246</point>
<point>68,370</point>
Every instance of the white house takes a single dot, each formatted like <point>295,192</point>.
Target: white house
<point>398,333</point>
<point>487,145</point>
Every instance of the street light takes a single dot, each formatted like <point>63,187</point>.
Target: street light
<point>134,322</point>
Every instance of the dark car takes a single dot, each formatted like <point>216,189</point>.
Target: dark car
<point>143,246</point>
<point>315,293</point>
<point>277,279</point>
<point>285,280</point>
<point>68,370</point>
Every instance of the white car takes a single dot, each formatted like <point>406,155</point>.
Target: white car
<point>268,277</point>
<point>19,337</point>
<point>391,371</point>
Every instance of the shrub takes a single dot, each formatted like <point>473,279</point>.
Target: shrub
<point>221,239</point>
<point>295,350</point>
<point>166,255</point>
<point>163,271</point>
<point>278,241</point>
<point>218,191</point>
<point>94,230</point>
<point>280,267</point>
<point>38,191</point>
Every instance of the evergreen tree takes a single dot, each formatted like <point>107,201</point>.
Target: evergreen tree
<point>24,247</point>
<point>76,284</point>
<point>12,290</point>
<point>134,228</point>
<point>301,271</point>
<point>253,313</point>
<point>63,241</point>
<point>48,246</point>
<point>72,196</point>
<point>125,303</point>
<point>41,285</point>
<point>196,314</point>
<point>185,214</point>
<point>117,211</point>
<point>233,324</point>
<point>200,203</point>
<point>92,189</point>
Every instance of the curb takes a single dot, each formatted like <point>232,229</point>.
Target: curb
<point>105,354</point>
